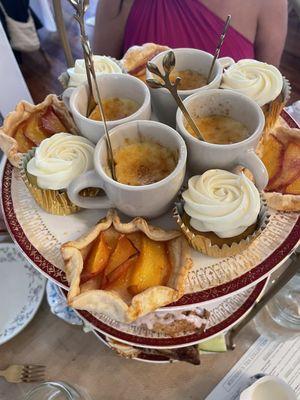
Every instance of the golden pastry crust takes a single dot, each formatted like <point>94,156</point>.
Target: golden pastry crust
<point>276,200</point>
<point>136,58</point>
<point>100,301</point>
<point>20,115</point>
<point>124,350</point>
<point>283,202</point>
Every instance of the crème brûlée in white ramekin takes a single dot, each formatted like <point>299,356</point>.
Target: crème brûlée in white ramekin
<point>48,170</point>
<point>220,213</point>
<point>263,83</point>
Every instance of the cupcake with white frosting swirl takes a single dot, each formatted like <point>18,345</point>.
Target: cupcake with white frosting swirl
<point>102,65</point>
<point>220,212</point>
<point>261,82</point>
<point>49,169</point>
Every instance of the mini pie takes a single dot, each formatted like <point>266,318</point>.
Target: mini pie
<point>29,124</point>
<point>126,270</point>
<point>280,152</point>
<point>136,57</point>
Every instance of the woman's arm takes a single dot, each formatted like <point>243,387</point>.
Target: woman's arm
<point>271,31</point>
<point>111,17</point>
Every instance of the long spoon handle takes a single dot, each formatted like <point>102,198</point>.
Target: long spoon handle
<point>218,49</point>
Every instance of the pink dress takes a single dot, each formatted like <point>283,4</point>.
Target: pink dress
<point>182,23</point>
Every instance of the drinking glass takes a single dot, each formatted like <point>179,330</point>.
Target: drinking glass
<point>56,391</point>
<point>280,318</point>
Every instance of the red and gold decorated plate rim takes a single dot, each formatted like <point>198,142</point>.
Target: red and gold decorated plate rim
<point>40,236</point>
<point>224,314</point>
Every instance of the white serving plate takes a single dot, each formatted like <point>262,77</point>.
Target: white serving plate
<point>21,291</point>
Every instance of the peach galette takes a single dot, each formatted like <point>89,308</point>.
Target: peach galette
<point>280,152</point>
<point>28,125</point>
<point>126,270</point>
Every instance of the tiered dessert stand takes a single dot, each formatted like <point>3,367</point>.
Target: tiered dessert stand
<point>228,288</point>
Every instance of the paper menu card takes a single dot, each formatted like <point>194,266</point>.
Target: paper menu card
<point>264,356</point>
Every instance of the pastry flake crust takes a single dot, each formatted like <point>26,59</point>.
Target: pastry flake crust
<point>279,140</point>
<point>12,131</point>
<point>89,297</point>
<point>136,57</point>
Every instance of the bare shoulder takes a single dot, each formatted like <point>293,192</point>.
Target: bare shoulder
<point>113,8</point>
<point>273,5</point>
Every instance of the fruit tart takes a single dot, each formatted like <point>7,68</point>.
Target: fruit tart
<point>126,270</point>
<point>28,125</point>
<point>136,57</point>
<point>280,152</point>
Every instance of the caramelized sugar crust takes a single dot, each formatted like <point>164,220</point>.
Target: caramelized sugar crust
<point>115,108</point>
<point>143,163</point>
<point>219,129</point>
<point>190,79</point>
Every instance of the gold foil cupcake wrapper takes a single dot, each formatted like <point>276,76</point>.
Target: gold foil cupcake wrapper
<point>204,244</point>
<point>52,201</point>
<point>273,109</point>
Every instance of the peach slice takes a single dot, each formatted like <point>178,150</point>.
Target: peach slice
<point>111,237</point>
<point>50,123</point>
<point>122,269</point>
<point>124,249</point>
<point>272,157</point>
<point>152,267</point>
<point>97,259</point>
<point>136,239</point>
<point>290,168</point>
<point>24,144</point>
<point>294,187</point>
<point>121,283</point>
<point>33,132</point>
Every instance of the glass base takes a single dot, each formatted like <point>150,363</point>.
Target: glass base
<point>57,391</point>
<point>280,318</point>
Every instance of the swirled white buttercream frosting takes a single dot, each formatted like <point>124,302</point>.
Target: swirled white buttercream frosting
<point>102,65</point>
<point>260,81</point>
<point>60,159</point>
<point>221,202</point>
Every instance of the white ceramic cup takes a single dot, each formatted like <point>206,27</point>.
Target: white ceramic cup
<point>148,200</point>
<point>269,387</point>
<point>163,102</point>
<point>203,155</point>
<point>111,85</point>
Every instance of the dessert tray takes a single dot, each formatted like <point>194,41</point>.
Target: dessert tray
<point>40,236</point>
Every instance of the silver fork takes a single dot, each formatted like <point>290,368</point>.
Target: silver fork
<point>24,373</point>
